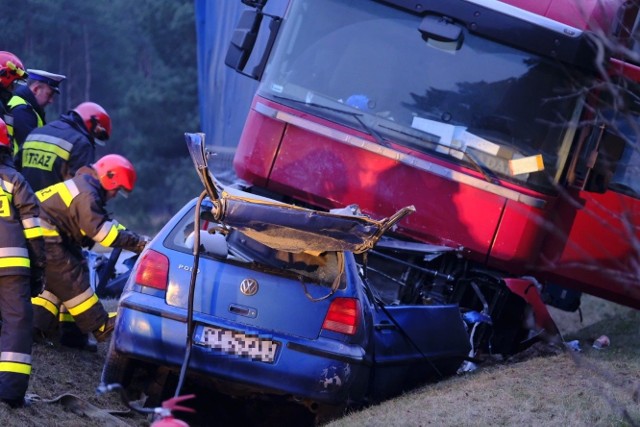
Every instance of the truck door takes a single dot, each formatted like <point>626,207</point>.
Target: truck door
<point>595,245</point>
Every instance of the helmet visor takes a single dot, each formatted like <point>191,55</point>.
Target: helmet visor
<point>100,133</point>
<point>124,192</point>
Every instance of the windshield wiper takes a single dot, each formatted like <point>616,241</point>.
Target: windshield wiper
<point>487,173</point>
<point>414,133</point>
<point>423,136</point>
<point>358,116</point>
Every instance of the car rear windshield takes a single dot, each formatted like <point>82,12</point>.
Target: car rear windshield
<point>232,246</point>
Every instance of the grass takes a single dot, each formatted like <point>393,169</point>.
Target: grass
<point>589,388</point>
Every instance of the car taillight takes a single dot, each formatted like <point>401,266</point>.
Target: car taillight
<point>342,316</point>
<point>153,270</point>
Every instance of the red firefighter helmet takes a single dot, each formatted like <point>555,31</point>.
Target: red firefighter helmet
<point>115,172</point>
<point>11,69</point>
<point>96,120</point>
<point>4,135</point>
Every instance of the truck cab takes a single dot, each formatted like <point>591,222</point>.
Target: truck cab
<point>509,125</point>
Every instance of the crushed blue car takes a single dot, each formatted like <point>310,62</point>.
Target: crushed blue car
<point>259,298</point>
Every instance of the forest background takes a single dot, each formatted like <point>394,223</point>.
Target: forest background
<point>138,60</point>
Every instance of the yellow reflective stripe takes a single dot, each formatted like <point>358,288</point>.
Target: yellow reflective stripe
<point>18,368</point>
<point>15,101</point>
<point>15,262</point>
<point>48,230</point>
<point>40,138</point>
<point>110,315</point>
<point>66,317</point>
<point>84,306</point>
<point>32,233</point>
<point>49,233</point>
<point>104,230</point>
<point>45,193</point>
<point>45,146</point>
<point>111,237</point>
<point>47,305</point>
<point>67,190</point>
<point>18,100</point>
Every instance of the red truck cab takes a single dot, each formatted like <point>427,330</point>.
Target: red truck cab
<point>507,124</point>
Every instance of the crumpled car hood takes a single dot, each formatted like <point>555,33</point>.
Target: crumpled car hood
<point>287,227</point>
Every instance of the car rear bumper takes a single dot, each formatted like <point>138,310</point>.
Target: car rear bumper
<point>321,370</point>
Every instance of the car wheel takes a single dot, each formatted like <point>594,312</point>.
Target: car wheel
<point>328,413</point>
<point>117,367</point>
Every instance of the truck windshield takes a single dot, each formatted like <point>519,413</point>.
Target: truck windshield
<point>365,65</point>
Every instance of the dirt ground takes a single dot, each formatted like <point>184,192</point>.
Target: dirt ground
<point>63,387</point>
<point>65,382</point>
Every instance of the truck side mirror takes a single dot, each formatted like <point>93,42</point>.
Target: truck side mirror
<point>244,41</point>
<point>603,161</point>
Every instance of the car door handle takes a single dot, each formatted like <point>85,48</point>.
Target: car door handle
<point>385,326</point>
<point>242,310</point>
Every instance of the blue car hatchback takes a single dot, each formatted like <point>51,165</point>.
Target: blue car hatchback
<point>260,309</point>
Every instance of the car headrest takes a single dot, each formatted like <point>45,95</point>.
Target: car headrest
<point>213,244</point>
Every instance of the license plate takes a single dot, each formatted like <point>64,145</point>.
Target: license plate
<point>237,343</point>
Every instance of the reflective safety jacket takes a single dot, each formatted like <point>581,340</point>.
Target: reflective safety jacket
<point>73,211</point>
<point>54,152</point>
<point>5,115</point>
<point>27,115</point>
<point>21,242</point>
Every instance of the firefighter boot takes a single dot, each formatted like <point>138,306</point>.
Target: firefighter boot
<point>71,336</point>
<point>41,337</point>
<point>104,332</point>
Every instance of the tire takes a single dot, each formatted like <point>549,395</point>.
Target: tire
<point>117,367</point>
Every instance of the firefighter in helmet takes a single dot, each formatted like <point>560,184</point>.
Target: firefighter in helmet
<point>22,264</point>
<point>73,216</point>
<point>54,152</point>
<point>11,70</point>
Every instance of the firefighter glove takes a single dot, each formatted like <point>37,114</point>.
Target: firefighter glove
<point>142,243</point>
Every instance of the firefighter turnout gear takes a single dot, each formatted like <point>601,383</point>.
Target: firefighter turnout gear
<point>73,216</point>
<point>15,353</point>
<point>54,152</point>
<point>22,263</point>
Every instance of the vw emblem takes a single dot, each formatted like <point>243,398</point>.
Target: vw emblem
<point>249,287</point>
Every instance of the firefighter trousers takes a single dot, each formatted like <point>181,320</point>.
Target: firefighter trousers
<point>15,338</point>
<point>68,283</point>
